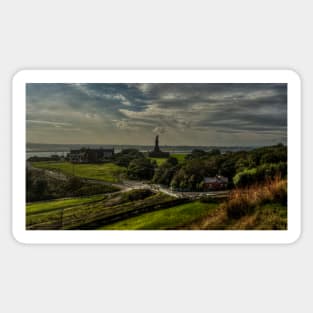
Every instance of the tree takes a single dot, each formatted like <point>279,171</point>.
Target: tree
<point>196,154</point>
<point>165,172</point>
<point>141,168</point>
<point>40,188</point>
<point>124,157</point>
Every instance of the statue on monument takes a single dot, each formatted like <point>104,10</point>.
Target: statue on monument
<point>156,146</point>
<point>157,152</point>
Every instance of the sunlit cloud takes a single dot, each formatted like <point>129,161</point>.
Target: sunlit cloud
<point>202,114</point>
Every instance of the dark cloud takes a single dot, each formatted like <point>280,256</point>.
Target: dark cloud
<point>197,112</point>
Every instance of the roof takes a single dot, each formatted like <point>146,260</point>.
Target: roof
<point>210,179</point>
<point>75,151</point>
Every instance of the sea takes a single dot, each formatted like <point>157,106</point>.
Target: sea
<point>46,150</point>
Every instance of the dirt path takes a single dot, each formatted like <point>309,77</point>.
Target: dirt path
<point>128,185</point>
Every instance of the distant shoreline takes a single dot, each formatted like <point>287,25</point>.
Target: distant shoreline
<point>36,148</point>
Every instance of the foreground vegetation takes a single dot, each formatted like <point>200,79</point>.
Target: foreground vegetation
<point>259,207</point>
<point>97,212</point>
<point>176,217</point>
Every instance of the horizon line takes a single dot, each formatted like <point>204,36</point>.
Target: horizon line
<point>124,144</point>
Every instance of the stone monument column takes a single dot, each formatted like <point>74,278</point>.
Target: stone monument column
<point>156,146</point>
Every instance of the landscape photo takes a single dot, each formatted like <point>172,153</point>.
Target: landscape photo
<point>156,156</point>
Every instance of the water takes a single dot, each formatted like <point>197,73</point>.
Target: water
<point>45,150</point>
<point>45,153</point>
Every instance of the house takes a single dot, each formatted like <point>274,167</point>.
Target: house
<point>215,183</point>
<point>76,156</point>
<point>90,155</point>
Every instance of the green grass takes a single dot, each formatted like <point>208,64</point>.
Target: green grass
<point>46,206</point>
<point>271,216</point>
<point>179,156</point>
<point>107,172</point>
<point>170,218</point>
<point>159,161</point>
<point>94,212</point>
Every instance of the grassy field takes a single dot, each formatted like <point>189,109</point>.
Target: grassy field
<point>170,218</point>
<point>94,212</point>
<point>107,172</point>
<point>179,156</point>
<point>159,161</point>
<point>46,206</point>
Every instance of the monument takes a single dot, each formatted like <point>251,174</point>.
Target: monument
<point>157,153</point>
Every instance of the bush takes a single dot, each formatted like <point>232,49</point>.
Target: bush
<point>260,174</point>
<point>137,194</point>
<point>92,189</point>
<point>245,178</point>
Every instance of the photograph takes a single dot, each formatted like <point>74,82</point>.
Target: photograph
<point>156,156</point>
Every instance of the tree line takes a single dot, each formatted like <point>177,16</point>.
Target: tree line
<point>242,168</point>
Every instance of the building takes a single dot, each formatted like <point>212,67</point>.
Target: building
<point>215,183</point>
<point>157,153</point>
<point>76,156</point>
<point>90,155</point>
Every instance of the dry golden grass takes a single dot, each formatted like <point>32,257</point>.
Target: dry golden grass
<point>243,201</point>
<point>215,221</point>
<point>257,207</point>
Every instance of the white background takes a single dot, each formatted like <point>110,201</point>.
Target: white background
<point>160,34</point>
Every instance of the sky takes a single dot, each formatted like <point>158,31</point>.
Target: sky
<point>181,114</point>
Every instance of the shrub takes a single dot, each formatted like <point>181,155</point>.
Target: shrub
<point>245,178</point>
<point>138,194</point>
<point>260,174</point>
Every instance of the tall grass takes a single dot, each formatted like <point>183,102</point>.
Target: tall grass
<point>260,207</point>
<point>243,201</point>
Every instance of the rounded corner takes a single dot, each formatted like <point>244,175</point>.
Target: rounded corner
<point>19,75</point>
<point>295,237</point>
<point>295,75</point>
<point>16,237</point>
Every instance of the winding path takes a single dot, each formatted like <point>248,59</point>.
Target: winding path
<point>128,185</point>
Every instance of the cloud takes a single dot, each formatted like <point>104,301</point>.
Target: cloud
<point>159,130</point>
<point>121,124</point>
<point>57,124</point>
<point>192,112</point>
